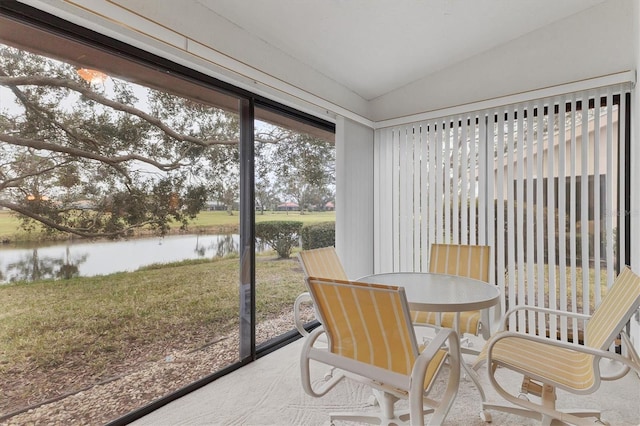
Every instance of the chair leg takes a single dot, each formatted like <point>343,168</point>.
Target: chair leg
<point>386,415</point>
<point>386,402</point>
<point>548,399</point>
<point>525,408</point>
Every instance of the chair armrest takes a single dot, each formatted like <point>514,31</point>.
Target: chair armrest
<point>302,297</point>
<point>305,372</point>
<point>445,338</point>
<point>629,353</point>
<point>519,308</point>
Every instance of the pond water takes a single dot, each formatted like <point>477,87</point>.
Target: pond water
<point>70,259</point>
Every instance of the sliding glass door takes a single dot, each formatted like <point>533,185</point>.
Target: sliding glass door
<point>127,263</point>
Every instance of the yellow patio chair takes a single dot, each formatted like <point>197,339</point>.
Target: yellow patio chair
<point>466,261</point>
<point>321,262</point>
<point>547,363</point>
<point>371,340</point>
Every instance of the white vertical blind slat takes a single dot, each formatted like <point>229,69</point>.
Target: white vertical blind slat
<point>471,142</point>
<point>496,142</point>
<point>609,243</point>
<point>433,142</point>
<point>466,165</point>
<point>596,203</point>
<point>417,191</point>
<point>450,162</point>
<point>562,217</point>
<point>510,204</point>
<point>540,243</point>
<point>551,228</point>
<point>531,254</point>
<point>573,252</point>
<point>486,236</point>
<point>519,179</point>
<point>404,236</point>
<point>395,201</point>
<point>439,147</point>
<point>425,195</point>
<point>584,207</point>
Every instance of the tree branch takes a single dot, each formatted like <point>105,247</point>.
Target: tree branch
<point>72,85</point>
<point>79,232</point>
<point>9,182</point>
<point>114,161</point>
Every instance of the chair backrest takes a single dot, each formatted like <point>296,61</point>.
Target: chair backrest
<point>366,322</point>
<point>463,260</point>
<point>322,263</point>
<point>614,311</point>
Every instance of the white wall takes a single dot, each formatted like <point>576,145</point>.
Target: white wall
<point>635,147</point>
<point>635,168</point>
<point>590,44</point>
<point>354,197</point>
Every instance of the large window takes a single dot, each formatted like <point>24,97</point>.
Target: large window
<point>560,201</point>
<point>128,265</point>
<point>542,182</point>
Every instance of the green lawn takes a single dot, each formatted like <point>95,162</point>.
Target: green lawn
<point>57,336</point>
<point>220,218</point>
<point>217,221</point>
<point>8,224</point>
<point>75,332</point>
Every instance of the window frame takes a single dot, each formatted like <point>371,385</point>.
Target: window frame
<point>37,21</point>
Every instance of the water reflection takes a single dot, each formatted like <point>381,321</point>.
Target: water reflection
<point>32,266</point>
<point>64,261</point>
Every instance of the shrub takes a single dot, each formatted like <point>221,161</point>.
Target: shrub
<point>317,235</point>
<point>281,236</point>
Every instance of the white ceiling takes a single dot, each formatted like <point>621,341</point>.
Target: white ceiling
<point>373,47</point>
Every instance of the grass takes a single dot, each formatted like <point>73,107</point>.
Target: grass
<point>9,225</point>
<point>92,322</point>
<point>97,325</point>
<point>534,287</point>
<point>213,221</point>
<point>210,218</point>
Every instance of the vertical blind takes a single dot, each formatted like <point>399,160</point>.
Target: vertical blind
<point>522,179</point>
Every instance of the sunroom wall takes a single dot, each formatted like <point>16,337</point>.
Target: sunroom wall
<point>354,200</point>
<point>635,162</point>
<point>593,43</point>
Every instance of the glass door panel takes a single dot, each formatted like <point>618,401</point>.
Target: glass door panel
<point>119,216</point>
<point>294,201</point>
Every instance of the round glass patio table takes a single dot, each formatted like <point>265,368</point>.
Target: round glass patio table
<point>431,292</point>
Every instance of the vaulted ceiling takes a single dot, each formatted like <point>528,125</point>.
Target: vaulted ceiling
<point>373,47</point>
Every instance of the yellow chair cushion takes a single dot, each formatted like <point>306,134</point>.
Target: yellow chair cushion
<point>322,262</point>
<point>469,321</point>
<point>434,367</point>
<point>569,368</point>
<point>464,261</point>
